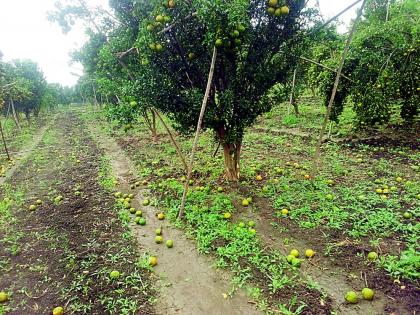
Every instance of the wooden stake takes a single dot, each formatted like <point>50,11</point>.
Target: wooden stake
<point>4,142</point>
<point>339,14</point>
<point>334,91</point>
<point>325,67</point>
<point>14,115</point>
<point>292,95</point>
<point>197,134</point>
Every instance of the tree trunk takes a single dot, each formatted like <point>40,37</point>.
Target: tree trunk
<point>8,111</point>
<point>95,100</point>
<point>296,107</point>
<point>387,10</point>
<point>28,117</point>
<point>232,155</point>
<point>14,115</point>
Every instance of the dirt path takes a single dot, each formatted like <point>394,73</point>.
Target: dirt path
<point>188,282</point>
<point>62,252</point>
<point>26,151</point>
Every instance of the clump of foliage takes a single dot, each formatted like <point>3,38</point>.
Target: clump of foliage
<point>258,44</point>
<point>383,64</point>
<point>162,51</point>
<point>24,89</point>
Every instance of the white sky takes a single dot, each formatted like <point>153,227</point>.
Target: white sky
<point>25,33</point>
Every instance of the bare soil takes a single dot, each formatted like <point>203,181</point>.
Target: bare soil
<point>65,250</point>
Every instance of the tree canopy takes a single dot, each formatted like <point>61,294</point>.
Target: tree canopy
<point>23,85</point>
<point>157,53</point>
<point>383,64</point>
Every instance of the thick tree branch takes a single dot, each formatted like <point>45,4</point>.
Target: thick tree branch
<point>126,68</point>
<point>122,54</point>
<point>168,28</point>
<point>165,30</point>
<point>7,85</point>
<point>182,55</point>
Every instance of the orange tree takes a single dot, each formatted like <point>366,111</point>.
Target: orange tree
<point>383,63</point>
<point>27,86</point>
<point>111,67</point>
<point>258,44</point>
<point>158,54</point>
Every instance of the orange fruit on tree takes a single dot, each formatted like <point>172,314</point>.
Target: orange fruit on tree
<point>271,10</point>
<point>284,10</point>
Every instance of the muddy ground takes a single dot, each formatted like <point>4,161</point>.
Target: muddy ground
<point>61,254</point>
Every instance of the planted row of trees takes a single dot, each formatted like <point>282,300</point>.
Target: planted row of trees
<point>156,54</point>
<point>381,73</point>
<point>23,89</point>
<point>384,64</point>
